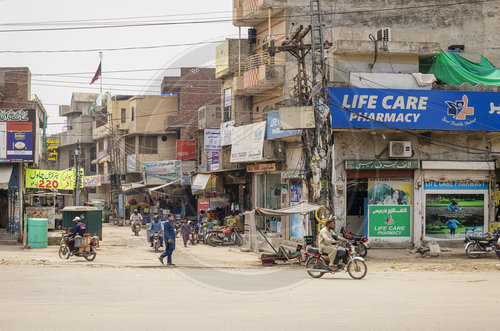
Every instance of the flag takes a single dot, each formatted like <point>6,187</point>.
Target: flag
<point>97,74</point>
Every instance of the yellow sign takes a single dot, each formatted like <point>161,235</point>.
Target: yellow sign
<point>52,144</point>
<point>222,57</point>
<point>52,179</point>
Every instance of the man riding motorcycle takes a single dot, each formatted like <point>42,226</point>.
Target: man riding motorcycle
<point>328,243</point>
<point>135,217</point>
<point>155,227</point>
<point>79,229</point>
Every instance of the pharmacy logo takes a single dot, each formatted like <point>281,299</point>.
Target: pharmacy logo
<point>460,108</point>
<point>389,220</point>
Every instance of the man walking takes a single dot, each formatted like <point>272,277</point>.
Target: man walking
<point>169,234</point>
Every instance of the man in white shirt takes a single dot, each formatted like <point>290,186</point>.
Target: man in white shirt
<point>328,241</point>
<point>135,217</point>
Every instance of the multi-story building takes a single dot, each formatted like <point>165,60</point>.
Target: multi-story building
<point>377,63</point>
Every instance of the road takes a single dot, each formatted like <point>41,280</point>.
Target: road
<point>126,288</point>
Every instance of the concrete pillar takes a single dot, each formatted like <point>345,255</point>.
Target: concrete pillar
<point>252,231</point>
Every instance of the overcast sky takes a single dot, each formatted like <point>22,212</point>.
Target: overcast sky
<point>113,12</point>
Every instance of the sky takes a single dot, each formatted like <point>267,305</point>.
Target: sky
<point>56,75</point>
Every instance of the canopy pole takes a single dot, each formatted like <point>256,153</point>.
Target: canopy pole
<point>276,240</point>
<point>263,235</point>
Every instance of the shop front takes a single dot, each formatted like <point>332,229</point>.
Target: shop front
<point>267,194</point>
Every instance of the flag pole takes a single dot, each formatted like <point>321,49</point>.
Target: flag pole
<point>100,56</point>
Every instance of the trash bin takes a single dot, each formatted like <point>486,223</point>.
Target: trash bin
<point>91,216</point>
<point>37,232</point>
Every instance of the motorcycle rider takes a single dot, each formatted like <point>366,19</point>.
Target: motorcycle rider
<point>328,243</point>
<point>156,227</point>
<point>79,229</point>
<point>135,217</point>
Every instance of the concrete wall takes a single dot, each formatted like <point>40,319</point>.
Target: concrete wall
<point>150,112</point>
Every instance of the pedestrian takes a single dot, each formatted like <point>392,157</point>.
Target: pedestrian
<point>169,234</point>
<point>185,231</point>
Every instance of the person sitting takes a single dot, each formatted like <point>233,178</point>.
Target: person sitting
<point>155,227</point>
<point>79,229</point>
<point>328,243</point>
<point>135,217</point>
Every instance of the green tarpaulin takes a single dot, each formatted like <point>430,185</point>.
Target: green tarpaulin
<point>453,69</point>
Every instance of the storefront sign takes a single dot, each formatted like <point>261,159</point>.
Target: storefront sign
<point>291,174</point>
<point>17,135</point>
<point>52,179</point>
<point>212,160</point>
<point>414,109</point>
<point>226,131</point>
<point>382,165</point>
<point>93,181</point>
<point>389,193</point>
<point>273,127</point>
<point>52,144</point>
<point>455,185</point>
<point>185,149</point>
<point>248,142</point>
<point>389,221</point>
<point>261,167</point>
<point>296,193</point>
<point>162,172</point>
<point>212,140</point>
<point>203,204</point>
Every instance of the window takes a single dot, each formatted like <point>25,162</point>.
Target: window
<point>100,146</point>
<point>130,146</point>
<point>71,158</point>
<point>227,105</point>
<point>101,169</point>
<point>132,114</point>
<point>124,115</point>
<point>148,145</point>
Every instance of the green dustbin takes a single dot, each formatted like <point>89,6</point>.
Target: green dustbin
<point>91,216</point>
<point>37,232</point>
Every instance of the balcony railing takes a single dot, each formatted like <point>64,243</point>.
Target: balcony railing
<point>259,72</point>
<point>255,61</point>
<point>238,13</point>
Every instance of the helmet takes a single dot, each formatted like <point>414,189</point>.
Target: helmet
<point>156,218</point>
<point>77,219</point>
<point>136,211</point>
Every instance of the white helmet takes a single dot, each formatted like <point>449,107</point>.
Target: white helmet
<point>77,219</point>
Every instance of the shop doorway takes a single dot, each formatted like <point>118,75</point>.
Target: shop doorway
<point>4,208</point>
<point>268,195</point>
<point>356,202</point>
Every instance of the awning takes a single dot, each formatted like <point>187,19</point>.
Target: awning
<point>200,182</point>
<point>164,185</point>
<point>106,158</point>
<point>302,208</point>
<point>132,186</point>
<point>5,173</point>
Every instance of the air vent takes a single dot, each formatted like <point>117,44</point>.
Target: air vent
<point>400,149</point>
<point>384,34</point>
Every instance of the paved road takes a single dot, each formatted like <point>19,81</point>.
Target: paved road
<point>127,289</point>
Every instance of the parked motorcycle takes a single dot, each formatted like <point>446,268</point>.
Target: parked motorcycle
<point>157,241</point>
<point>475,246</point>
<point>359,242</point>
<point>137,228</point>
<point>227,235</point>
<point>84,247</point>
<point>317,264</point>
<point>497,248</point>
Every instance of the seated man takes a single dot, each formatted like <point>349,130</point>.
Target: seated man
<point>328,243</point>
<point>135,217</point>
<point>80,229</point>
<point>155,227</point>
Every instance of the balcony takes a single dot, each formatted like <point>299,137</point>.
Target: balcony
<point>258,73</point>
<point>254,12</point>
<point>238,13</point>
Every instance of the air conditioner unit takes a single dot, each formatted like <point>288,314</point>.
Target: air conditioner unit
<point>384,34</point>
<point>400,149</point>
<point>296,118</point>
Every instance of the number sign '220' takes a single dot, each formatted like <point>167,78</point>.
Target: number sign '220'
<point>52,179</point>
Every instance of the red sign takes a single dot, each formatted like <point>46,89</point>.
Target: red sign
<point>186,149</point>
<point>203,204</point>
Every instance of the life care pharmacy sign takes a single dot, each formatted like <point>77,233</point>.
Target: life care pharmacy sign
<point>389,221</point>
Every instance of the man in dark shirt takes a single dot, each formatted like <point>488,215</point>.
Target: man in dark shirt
<point>79,229</point>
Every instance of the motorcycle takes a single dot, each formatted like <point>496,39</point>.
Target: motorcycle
<point>359,242</point>
<point>84,247</point>
<point>137,228</point>
<point>317,264</point>
<point>474,246</point>
<point>157,241</point>
<point>227,235</point>
<point>497,248</point>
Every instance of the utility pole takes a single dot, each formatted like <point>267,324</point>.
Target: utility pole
<point>77,174</point>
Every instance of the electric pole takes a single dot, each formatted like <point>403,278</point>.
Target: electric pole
<point>77,174</point>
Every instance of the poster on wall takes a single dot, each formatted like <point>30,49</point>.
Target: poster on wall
<point>450,215</point>
<point>212,160</point>
<point>212,140</point>
<point>296,193</point>
<point>162,172</point>
<point>248,142</point>
<point>17,135</point>
<point>297,226</point>
<point>43,212</point>
<point>389,207</point>
<point>185,149</point>
<point>203,204</point>
<point>52,179</point>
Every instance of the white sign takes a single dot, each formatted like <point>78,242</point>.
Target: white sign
<point>226,130</point>
<point>212,140</point>
<point>248,142</point>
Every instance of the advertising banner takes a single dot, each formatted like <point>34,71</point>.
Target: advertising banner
<point>248,142</point>
<point>212,160</point>
<point>52,145</point>
<point>414,109</point>
<point>389,193</point>
<point>162,172</point>
<point>226,130</point>
<point>17,135</point>
<point>203,204</point>
<point>52,179</point>
<point>212,140</point>
<point>222,57</point>
<point>389,221</point>
<point>297,226</point>
<point>92,181</point>
<point>273,127</point>
<point>43,212</point>
<point>185,149</point>
<point>453,208</point>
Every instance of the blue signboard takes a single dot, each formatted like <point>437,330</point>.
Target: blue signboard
<point>455,185</point>
<point>414,109</point>
<point>273,127</point>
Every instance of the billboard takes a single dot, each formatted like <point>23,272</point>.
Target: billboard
<point>222,57</point>
<point>248,142</point>
<point>53,179</point>
<point>161,172</point>
<point>273,127</point>
<point>365,108</point>
<point>17,135</point>
<point>185,149</point>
